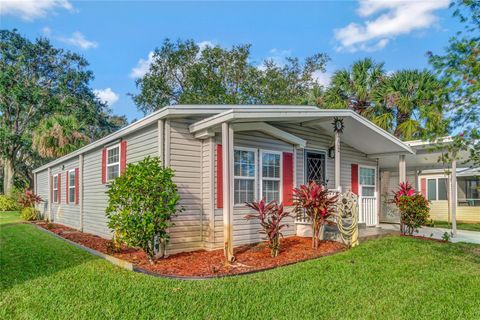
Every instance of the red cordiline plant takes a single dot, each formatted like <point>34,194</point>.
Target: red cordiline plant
<point>270,216</point>
<point>414,208</point>
<point>29,199</point>
<point>318,205</point>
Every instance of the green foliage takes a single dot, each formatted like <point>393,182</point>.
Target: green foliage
<point>141,204</point>
<point>59,135</point>
<point>459,68</point>
<point>407,103</point>
<point>7,203</point>
<point>414,208</point>
<point>183,73</point>
<point>29,214</point>
<point>446,236</point>
<point>39,81</point>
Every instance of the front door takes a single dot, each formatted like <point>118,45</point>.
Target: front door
<point>315,167</point>
<point>368,195</point>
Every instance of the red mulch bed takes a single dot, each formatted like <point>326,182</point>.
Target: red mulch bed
<point>249,258</point>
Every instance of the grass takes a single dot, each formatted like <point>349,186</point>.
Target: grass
<point>392,278</point>
<point>460,226</point>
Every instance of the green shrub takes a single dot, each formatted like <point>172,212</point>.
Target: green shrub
<point>141,204</point>
<point>29,214</point>
<point>8,203</point>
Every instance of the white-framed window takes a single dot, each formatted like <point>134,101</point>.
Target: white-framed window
<point>270,175</point>
<point>367,181</point>
<point>71,186</point>
<point>245,175</point>
<point>55,188</point>
<point>437,189</point>
<point>113,162</point>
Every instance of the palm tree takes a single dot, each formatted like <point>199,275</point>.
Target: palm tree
<point>409,105</point>
<point>59,135</point>
<point>354,88</point>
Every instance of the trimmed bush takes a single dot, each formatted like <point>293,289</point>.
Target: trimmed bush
<point>141,204</point>
<point>29,214</point>
<point>8,203</point>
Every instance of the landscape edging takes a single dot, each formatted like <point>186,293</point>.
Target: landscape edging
<point>116,261</point>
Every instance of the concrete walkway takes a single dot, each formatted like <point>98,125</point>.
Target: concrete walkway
<point>437,233</point>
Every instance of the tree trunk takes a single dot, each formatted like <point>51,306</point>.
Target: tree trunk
<point>8,172</point>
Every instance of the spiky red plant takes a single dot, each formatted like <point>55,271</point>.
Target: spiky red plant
<point>270,216</point>
<point>318,205</point>
<point>29,199</point>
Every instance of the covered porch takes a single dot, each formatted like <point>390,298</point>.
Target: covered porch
<point>264,152</point>
<point>437,180</point>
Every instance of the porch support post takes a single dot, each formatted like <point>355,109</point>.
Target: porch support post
<point>453,196</point>
<point>402,169</point>
<point>337,162</point>
<point>227,160</point>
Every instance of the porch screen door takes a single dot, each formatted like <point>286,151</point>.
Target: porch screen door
<point>368,196</point>
<point>315,167</point>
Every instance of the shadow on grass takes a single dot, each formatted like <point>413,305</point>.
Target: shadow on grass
<point>27,254</point>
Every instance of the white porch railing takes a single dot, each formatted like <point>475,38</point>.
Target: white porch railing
<point>368,211</point>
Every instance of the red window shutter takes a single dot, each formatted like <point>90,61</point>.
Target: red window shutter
<point>67,198</point>
<point>355,178</point>
<point>423,187</point>
<point>104,166</point>
<point>76,185</point>
<point>59,189</point>
<point>219,177</point>
<point>287,176</point>
<point>123,156</point>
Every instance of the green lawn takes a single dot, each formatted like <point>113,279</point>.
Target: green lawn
<point>392,278</point>
<point>460,226</point>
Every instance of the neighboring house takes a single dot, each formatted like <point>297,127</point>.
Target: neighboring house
<point>434,179</point>
<point>223,156</point>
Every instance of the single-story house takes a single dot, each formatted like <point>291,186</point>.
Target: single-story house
<point>223,156</point>
<point>451,188</point>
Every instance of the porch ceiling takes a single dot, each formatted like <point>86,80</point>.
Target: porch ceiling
<point>358,132</point>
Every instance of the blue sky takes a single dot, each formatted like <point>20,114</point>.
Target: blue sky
<point>117,36</point>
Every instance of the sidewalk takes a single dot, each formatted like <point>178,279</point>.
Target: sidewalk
<point>437,233</point>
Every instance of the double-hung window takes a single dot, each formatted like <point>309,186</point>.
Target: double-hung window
<point>113,162</point>
<point>270,175</point>
<point>71,186</point>
<point>55,188</point>
<point>245,173</point>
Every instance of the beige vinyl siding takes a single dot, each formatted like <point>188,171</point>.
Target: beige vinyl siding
<point>63,213</point>
<point>140,144</point>
<point>186,160</point>
<point>41,189</point>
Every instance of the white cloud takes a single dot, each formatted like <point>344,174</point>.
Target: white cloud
<point>322,78</point>
<point>204,44</point>
<point>278,56</point>
<point>46,31</point>
<point>107,96</point>
<point>142,66</point>
<point>388,20</point>
<point>29,10</point>
<point>78,40</point>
